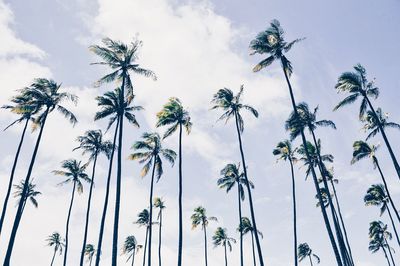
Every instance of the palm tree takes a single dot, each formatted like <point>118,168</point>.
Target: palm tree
<point>31,194</point>
<point>159,204</point>
<point>92,142</point>
<point>111,107</point>
<point>246,227</point>
<point>122,59</point>
<point>43,94</point>
<point>285,152</point>
<point>130,248</point>
<point>144,220</point>
<point>220,238</point>
<point>378,236</point>
<point>376,196</point>
<point>176,117</point>
<point>272,42</point>
<point>199,217</point>
<point>149,151</point>
<point>305,251</point>
<point>363,150</point>
<point>54,240</point>
<point>372,122</point>
<point>25,110</point>
<point>89,253</point>
<point>231,175</point>
<point>357,85</point>
<point>75,174</point>
<point>231,105</point>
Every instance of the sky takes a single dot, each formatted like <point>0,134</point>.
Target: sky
<point>196,48</point>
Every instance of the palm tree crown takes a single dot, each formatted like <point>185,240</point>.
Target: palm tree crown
<point>89,251</point>
<point>231,175</point>
<point>363,150</point>
<point>30,194</point>
<point>22,106</point>
<point>92,142</point>
<point>247,227</point>
<point>305,251</point>
<point>55,240</point>
<point>285,151</point>
<point>130,246</point>
<point>378,235</point>
<point>74,172</point>
<point>199,217</point>
<point>376,196</point>
<point>372,122</point>
<point>143,218</point>
<point>220,238</point>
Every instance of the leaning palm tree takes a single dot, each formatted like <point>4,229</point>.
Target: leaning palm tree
<point>285,152</point>
<point>144,220</point>
<point>55,240</point>
<point>30,194</point>
<point>199,217</point>
<point>272,42</point>
<point>220,238</point>
<point>150,151</point>
<point>112,109</point>
<point>122,59</point>
<point>130,248</point>
<point>160,205</point>
<point>371,122</point>
<point>379,236</point>
<point>246,227</point>
<point>89,253</point>
<point>74,171</point>
<point>177,118</point>
<point>46,95</point>
<point>231,176</point>
<point>357,85</point>
<point>376,196</point>
<point>231,105</point>
<point>92,143</point>
<point>305,251</point>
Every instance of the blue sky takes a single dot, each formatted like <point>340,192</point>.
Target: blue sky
<point>196,48</point>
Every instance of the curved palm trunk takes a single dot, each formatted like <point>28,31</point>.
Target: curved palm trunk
<point>151,212</point>
<point>253,218</point>
<point>10,182</point>
<point>145,246</point>
<point>294,213</point>
<point>390,252</point>
<point>180,237</point>
<point>392,156</point>
<point>253,249</point>
<point>103,217</point>
<point>309,256</point>
<point>205,243</point>
<point>226,256</point>
<point>394,227</point>
<point>240,224</point>
<point>88,212</point>
<point>18,214</point>
<point>67,225</point>
<point>52,259</point>
<point>159,240</point>
<point>323,208</point>
<point>386,256</point>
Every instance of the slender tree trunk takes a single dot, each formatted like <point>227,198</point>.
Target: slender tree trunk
<point>18,214</point>
<point>394,227</point>
<point>323,209</point>
<point>180,237</point>
<point>392,156</point>
<point>386,256</point>
<point>145,246</point>
<point>253,249</point>
<point>90,261</point>
<point>88,210</point>
<point>103,217</point>
<point>205,243</point>
<point>309,256</point>
<point>67,224</point>
<point>11,180</point>
<point>253,218</point>
<point>159,240</point>
<point>390,252</point>
<point>52,259</point>
<point>294,213</point>
<point>151,211</point>
<point>240,224</point>
<point>226,256</point>
<point>133,257</point>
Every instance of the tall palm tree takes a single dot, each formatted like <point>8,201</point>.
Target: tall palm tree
<point>272,42</point>
<point>55,240</point>
<point>89,253</point>
<point>122,59</point>
<point>112,109</point>
<point>46,95</point>
<point>376,196</point>
<point>231,105</point>
<point>74,171</point>
<point>30,194</point>
<point>92,142</point>
<point>144,220</point>
<point>20,106</point>
<point>231,176</point>
<point>220,238</point>
<point>357,85</point>
<point>176,117</point>
<point>160,205</point>
<point>372,122</point>
<point>246,227</point>
<point>199,217</point>
<point>150,151</point>
<point>379,236</point>
<point>285,152</point>
<point>130,248</point>
<point>305,251</point>
<point>363,150</point>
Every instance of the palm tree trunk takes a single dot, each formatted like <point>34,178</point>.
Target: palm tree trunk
<point>205,243</point>
<point>323,209</point>
<point>151,211</point>
<point>133,257</point>
<point>103,217</point>
<point>18,214</point>
<point>392,156</point>
<point>90,261</point>
<point>386,256</point>
<point>253,218</point>
<point>145,246</point>
<point>88,210</point>
<point>226,256</point>
<point>253,250</point>
<point>159,240</point>
<point>52,259</point>
<point>390,252</point>
<point>180,237</point>
<point>309,256</point>
<point>240,224</point>
<point>294,213</point>
<point>67,224</point>
<point>11,180</point>
<point>394,227</point>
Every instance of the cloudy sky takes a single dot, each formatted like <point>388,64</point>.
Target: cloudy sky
<point>196,48</point>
